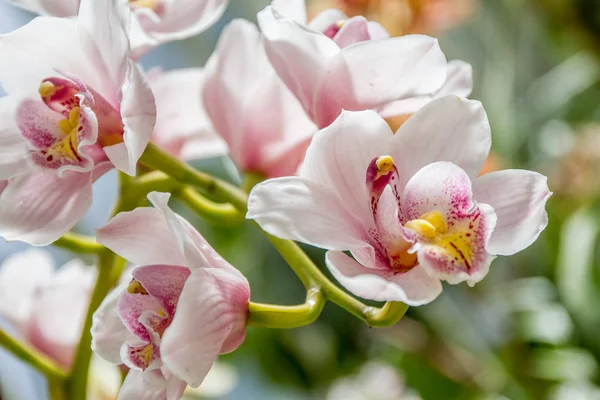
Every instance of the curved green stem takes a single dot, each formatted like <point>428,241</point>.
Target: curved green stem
<point>310,275</point>
<point>154,157</point>
<point>287,317</point>
<point>78,243</point>
<point>34,358</point>
<point>217,213</point>
<point>77,383</point>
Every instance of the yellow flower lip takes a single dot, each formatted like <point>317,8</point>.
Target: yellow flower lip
<point>136,287</point>
<point>429,224</point>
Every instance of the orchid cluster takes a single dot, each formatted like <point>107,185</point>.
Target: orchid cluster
<point>301,108</point>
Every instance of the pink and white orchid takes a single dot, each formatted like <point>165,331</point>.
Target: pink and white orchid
<point>351,68</point>
<point>408,206</point>
<point>182,126</point>
<point>77,105</point>
<point>45,306</point>
<point>184,306</point>
<point>262,122</point>
<point>154,21</point>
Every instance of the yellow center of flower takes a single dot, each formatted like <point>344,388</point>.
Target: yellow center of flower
<point>136,287</point>
<point>457,243</point>
<point>47,89</point>
<point>385,165</point>
<point>151,4</point>
<point>340,23</point>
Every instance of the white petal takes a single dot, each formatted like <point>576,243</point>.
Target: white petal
<point>177,95</point>
<point>519,199</point>
<point>447,129</point>
<point>413,288</point>
<point>371,73</point>
<point>298,54</point>
<point>21,276</point>
<point>325,18</point>
<point>292,9</point>
<point>48,206</point>
<point>298,209</point>
<point>63,8</point>
<point>141,236</point>
<point>339,155</point>
<point>103,32</point>
<point>13,148</point>
<point>138,111</point>
<point>212,307</point>
<point>135,387</point>
<point>108,331</point>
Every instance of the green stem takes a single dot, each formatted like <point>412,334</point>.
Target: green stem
<point>34,358</point>
<point>155,158</point>
<point>217,213</point>
<point>287,317</point>
<point>310,275</point>
<point>78,243</point>
<point>77,384</point>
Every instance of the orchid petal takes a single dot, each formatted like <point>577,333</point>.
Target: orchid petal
<point>59,311</point>
<point>21,276</point>
<point>48,206</point>
<point>64,8</point>
<point>13,148</point>
<point>292,9</point>
<point>414,287</point>
<point>325,18</point>
<point>211,312</point>
<point>177,99</point>
<point>340,154</point>
<point>165,282</point>
<point>466,140</point>
<point>138,111</point>
<point>108,331</point>
<point>298,55</point>
<point>135,387</point>
<point>141,236</point>
<point>371,73</point>
<point>354,30</point>
<point>278,204</point>
<point>103,32</point>
<point>518,198</point>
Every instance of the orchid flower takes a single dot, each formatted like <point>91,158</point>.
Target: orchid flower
<point>178,99</point>
<point>351,68</point>
<point>77,105</point>
<point>407,206</point>
<point>262,122</point>
<point>154,21</point>
<point>46,306</point>
<point>184,306</point>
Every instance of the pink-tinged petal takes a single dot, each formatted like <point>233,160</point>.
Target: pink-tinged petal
<point>13,148</point>
<point>138,111</point>
<point>298,54</point>
<point>131,305</point>
<point>196,250</point>
<point>354,30</point>
<point>103,33</point>
<point>142,356</point>
<point>183,19</point>
<point>325,19</point>
<point>376,31</point>
<point>64,8</point>
<point>459,82</point>
<point>340,154</point>
<point>59,310</point>
<point>372,73</point>
<point>35,56</point>
<point>135,387</point>
<point>21,276</point>
<point>284,159</point>
<point>414,287</point>
<point>457,250</point>
<point>108,331</point>
<point>48,206</point>
<point>292,9</point>
<point>298,209</point>
<point>177,95</point>
<point>141,236</point>
<point>519,199</point>
<point>465,141</point>
<point>165,282</point>
<point>210,319</point>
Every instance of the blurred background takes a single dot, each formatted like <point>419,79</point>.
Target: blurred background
<point>531,329</point>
